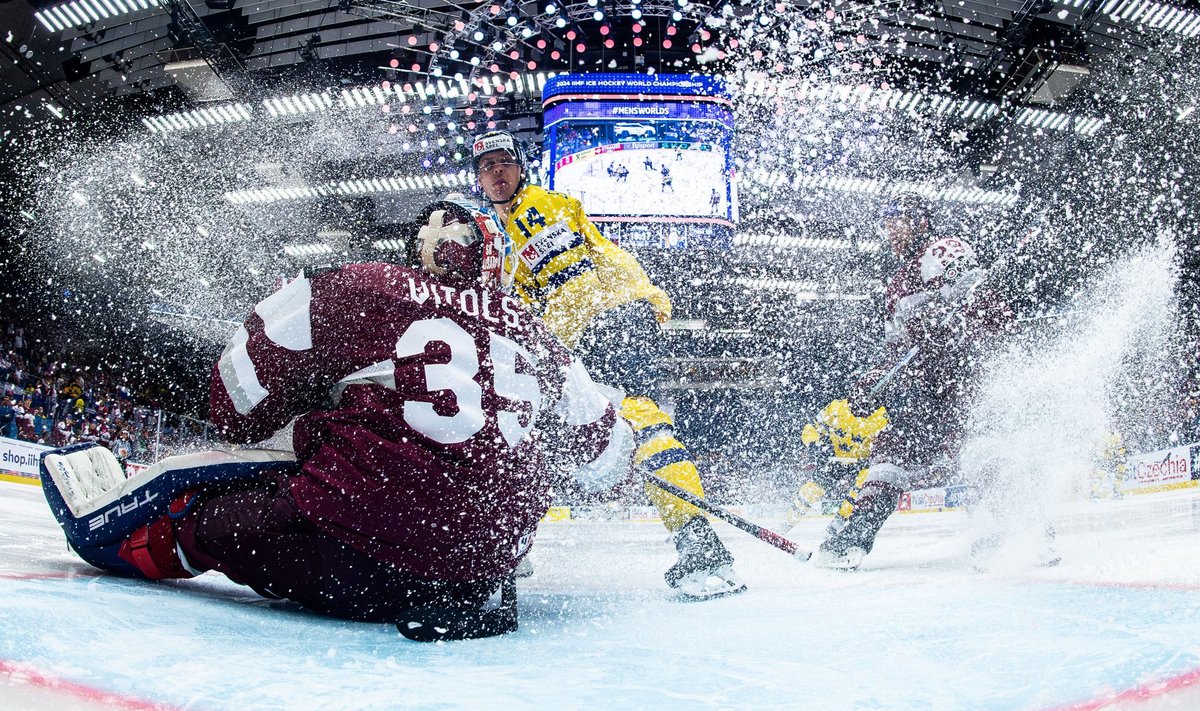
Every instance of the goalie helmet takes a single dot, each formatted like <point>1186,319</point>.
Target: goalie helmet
<point>500,141</point>
<point>460,240</point>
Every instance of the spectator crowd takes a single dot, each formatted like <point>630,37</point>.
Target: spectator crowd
<point>50,402</point>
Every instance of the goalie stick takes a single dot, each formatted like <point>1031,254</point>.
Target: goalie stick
<point>436,624</point>
<point>762,534</point>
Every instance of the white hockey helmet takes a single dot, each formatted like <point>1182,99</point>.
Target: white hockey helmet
<point>500,141</point>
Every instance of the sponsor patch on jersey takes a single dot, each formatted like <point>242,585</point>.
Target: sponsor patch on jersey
<point>552,241</point>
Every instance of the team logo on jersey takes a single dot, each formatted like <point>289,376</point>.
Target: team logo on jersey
<point>552,241</point>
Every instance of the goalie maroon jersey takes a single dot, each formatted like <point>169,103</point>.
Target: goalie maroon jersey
<point>423,409</point>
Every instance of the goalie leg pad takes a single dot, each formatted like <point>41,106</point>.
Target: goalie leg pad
<point>153,549</point>
<point>100,510</point>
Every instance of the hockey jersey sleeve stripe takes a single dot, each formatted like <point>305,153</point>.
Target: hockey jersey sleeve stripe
<point>665,458</point>
<point>556,281</point>
<point>238,374</point>
<point>649,432</point>
<point>287,317</point>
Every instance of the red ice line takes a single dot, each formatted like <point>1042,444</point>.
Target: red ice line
<point>1136,695</point>
<point>47,576</point>
<point>1130,585</point>
<point>23,674</point>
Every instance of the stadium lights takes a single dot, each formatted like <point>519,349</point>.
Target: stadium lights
<point>198,118</point>
<point>1059,121</point>
<point>830,296</point>
<point>803,290</point>
<point>869,186</point>
<point>760,284</point>
<point>865,97</point>
<point>357,186</point>
<point>275,194</point>
<point>307,249</point>
<point>298,104</point>
<point>389,245</point>
<point>784,241</point>
<point>82,12</point>
<point>457,90</point>
<point>1158,16</point>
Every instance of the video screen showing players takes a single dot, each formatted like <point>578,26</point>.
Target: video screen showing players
<point>645,149</point>
<point>644,168</point>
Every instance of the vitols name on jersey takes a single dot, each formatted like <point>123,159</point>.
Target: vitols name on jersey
<point>421,407</point>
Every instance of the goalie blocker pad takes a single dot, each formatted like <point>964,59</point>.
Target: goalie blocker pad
<point>98,508</point>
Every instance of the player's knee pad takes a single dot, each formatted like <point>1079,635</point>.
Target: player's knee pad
<point>126,525</point>
<point>876,477</point>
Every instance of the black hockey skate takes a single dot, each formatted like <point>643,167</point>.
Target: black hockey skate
<point>851,539</point>
<point>436,624</point>
<point>839,555</point>
<point>705,568</point>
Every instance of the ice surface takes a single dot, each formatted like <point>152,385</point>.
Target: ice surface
<point>914,629</point>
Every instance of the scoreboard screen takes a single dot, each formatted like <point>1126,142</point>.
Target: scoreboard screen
<point>641,150</point>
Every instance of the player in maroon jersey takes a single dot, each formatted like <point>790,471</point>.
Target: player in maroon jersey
<point>426,404</point>
<point>937,304</point>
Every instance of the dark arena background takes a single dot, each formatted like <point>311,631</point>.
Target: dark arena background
<point>167,164</point>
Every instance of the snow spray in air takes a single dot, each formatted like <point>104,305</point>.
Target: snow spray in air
<point>1049,403</point>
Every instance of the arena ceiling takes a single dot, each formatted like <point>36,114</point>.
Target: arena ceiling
<point>238,112</point>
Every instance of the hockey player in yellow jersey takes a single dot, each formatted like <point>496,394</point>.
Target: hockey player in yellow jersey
<point>598,300</point>
<point>846,439</point>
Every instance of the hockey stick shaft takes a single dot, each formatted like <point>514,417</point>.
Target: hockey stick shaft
<point>762,534</point>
